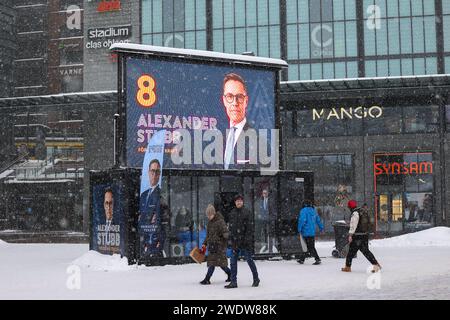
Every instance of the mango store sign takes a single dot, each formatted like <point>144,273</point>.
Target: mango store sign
<point>372,112</point>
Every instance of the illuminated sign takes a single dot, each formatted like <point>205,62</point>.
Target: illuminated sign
<point>109,6</point>
<point>347,113</point>
<point>405,168</point>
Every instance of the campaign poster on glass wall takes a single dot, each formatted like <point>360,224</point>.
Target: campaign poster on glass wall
<point>151,233</point>
<point>108,226</point>
<point>214,116</point>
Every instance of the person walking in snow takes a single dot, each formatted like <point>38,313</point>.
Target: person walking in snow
<point>358,237</point>
<point>307,220</point>
<point>216,241</point>
<point>241,240</point>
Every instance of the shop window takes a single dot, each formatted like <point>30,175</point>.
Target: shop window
<point>404,188</point>
<point>182,217</point>
<point>389,122</point>
<point>421,119</point>
<point>333,184</point>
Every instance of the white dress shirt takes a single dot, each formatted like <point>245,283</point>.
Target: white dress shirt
<point>229,149</point>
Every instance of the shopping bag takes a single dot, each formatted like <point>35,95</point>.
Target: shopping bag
<point>197,255</point>
<point>303,244</point>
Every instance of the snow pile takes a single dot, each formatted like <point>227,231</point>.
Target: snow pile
<point>439,237</point>
<point>96,261</point>
<point>3,243</point>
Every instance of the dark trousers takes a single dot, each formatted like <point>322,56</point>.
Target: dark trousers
<point>310,243</point>
<point>212,268</point>
<point>248,257</point>
<point>361,243</point>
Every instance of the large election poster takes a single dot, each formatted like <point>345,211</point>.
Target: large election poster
<point>215,116</point>
<point>151,234</point>
<point>108,227</point>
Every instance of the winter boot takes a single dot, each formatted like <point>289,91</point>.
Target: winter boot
<point>228,278</point>
<point>301,260</point>
<point>231,285</point>
<point>376,268</point>
<point>346,269</point>
<point>317,262</point>
<point>255,283</point>
<point>205,281</point>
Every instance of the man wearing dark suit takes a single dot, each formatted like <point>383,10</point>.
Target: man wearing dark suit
<point>110,243</point>
<point>152,239</point>
<point>235,100</point>
<point>265,222</point>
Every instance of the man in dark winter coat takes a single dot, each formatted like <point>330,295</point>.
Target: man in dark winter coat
<point>359,237</point>
<point>216,241</point>
<point>241,240</point>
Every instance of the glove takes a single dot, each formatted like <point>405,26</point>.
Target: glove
<point>203,249</point>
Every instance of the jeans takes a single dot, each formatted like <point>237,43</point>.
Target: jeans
<point>248,257</point>
<point>211,271</point>
<point>360,242</point>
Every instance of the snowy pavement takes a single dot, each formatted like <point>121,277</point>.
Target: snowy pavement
<point>414,267</point>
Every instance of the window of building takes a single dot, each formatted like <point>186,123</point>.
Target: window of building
<point>30,48</point>
<point>446,28</point>
<point>321,34</point>
<point>31,19</point>
<point>395,30</point>
<point>390,122</point>
<point>447,116</point>
<point>247,26</point>
<point>286,124</point>
<point>29,73</point>
<point>174,23</point>
<point>333,183</point>
<point>421,119</point>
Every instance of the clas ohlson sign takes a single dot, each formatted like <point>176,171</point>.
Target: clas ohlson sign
<point>343,113</point>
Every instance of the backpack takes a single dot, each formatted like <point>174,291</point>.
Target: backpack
<point>364,224</point>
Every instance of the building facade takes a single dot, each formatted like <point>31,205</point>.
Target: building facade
<point>7,47</point>
<point>50,38</point>
<point>379,141</point>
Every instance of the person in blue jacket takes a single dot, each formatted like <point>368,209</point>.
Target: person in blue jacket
<point>307,220</point>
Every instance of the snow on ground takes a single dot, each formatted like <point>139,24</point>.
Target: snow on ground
<point>439,237</point>
<point>415,266</point>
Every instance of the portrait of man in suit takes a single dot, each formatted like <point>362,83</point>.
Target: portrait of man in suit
<point>235,101</point>
<point>150,213</point>
<point>265,222</point>
<point>108,205</point>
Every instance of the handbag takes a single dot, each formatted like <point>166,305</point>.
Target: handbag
<point>197,255</point>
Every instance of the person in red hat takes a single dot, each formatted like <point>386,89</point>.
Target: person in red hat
<point>358,237</point>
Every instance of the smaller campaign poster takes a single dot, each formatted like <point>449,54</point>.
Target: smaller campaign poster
<point>151,235</point>
<point>107,221</point>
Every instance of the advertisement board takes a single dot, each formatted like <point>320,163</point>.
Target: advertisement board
<point>108,226</point>
<point>215,116</point>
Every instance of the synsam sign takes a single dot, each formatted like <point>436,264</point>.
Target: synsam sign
<point>406,168</point>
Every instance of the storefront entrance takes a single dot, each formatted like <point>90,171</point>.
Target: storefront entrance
<point>404,192</point>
